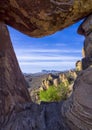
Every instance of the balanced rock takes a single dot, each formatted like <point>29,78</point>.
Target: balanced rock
<point>43,17</point>
<point>39,18</point>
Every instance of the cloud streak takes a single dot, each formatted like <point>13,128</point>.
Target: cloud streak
<point>59,51</point>
<point>25,58</point>
<point>37,59</point>
<point>47,50</point>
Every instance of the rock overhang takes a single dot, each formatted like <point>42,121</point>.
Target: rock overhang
<point>41,18</point>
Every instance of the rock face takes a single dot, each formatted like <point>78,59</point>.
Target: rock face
<point>43,17</point>
<point>77,110</point>
<point>46,116</point>
<point>12,84</point>
<point>86,30</point>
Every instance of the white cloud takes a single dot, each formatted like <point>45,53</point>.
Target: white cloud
<point>34,60</point>
<point>26,58</point>
<point>48,50</point>
<point>31,67</point>
<point>65,63</point>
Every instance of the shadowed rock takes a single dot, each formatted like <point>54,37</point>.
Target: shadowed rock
<point>12,84</point>
<point>77,110</point>
<point>86,30</point>
<point>43,17</point>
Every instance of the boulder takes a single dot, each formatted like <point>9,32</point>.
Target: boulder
<point>78,65</point>
<point>38,18</point>
<point>56,82</point>
<point>86,30</point>
<point>77,110</point>
<point>86,26</point>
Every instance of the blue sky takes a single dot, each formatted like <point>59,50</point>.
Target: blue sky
<point>59,51</point>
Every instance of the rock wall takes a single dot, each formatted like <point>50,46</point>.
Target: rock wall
<point>77,110</point>
<point>12,84</point>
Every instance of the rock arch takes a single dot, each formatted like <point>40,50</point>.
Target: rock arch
<point>17,112</point>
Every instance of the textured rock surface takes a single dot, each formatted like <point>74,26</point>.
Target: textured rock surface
<point>46,116</point>
<point>86,30</point>
<point>43,17</point>
<point>77,111</point>
<point>12,84</point>
<point>86,62</point>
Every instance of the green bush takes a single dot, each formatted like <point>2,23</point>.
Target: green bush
<point>54,93</point>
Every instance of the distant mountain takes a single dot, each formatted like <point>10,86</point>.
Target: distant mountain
<point>50,71</point>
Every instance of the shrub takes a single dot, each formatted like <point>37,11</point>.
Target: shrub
<point>54,93</point>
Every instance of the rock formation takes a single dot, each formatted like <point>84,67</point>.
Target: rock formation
<point>12,84</point>
<point>77,110</point>
<point>43,17</point>
<point>39,18</point>
<point>78,65</point>
<point>86,30</point>
<point>56,82</point>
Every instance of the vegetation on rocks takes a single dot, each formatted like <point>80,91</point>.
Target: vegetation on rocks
<point>54,93</point>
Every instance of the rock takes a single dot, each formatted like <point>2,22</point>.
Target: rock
<point>86,26</point>
<point>77,110</point>
<point>50,77</point>
<point>56,82</point>
<point>78,65</point>
<point>64,79</point>
<point>35,80</point>
<point>72,75</point>
<point>88,45</point>
<point>46,84</point>
<point>40,18</point>
<point>46,116</point>
<point>83,52</point>
<point>13,89</point>
<point>86,30</point>
<point>86,62</point>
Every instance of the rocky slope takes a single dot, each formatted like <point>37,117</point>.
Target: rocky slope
<point>42,82</point>
<point>34,81</point>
